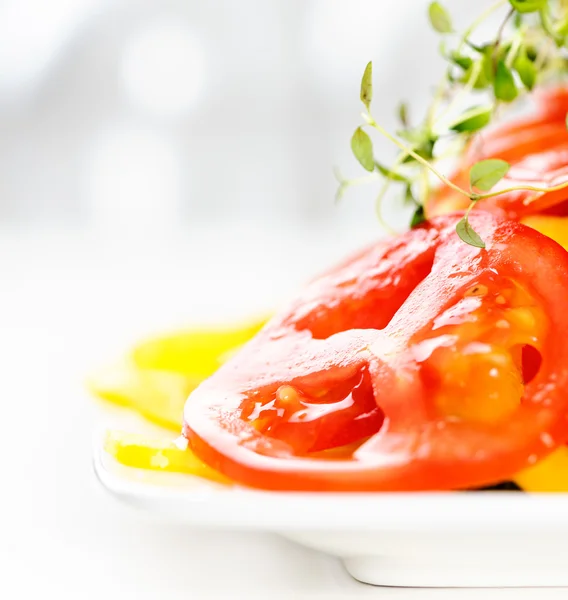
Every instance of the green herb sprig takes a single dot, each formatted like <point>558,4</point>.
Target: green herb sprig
<point>529,47</point>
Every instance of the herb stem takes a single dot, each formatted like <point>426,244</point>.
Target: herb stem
<point>425,181</point>
<point>359,180</point>
<point>547,26</point>
<point>528,188</point>
<point>384,188</point>
<point>543,54</point>
<point>475,24</point>
<point>439,94</point>
<point>345,184</point>
<point>500,35</point>
<point>513,50</point>
<point>476,70</point>
<point>416,157</point>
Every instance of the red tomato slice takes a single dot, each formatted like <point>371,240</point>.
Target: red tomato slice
<point>537,148</point>
<point>420,364</point>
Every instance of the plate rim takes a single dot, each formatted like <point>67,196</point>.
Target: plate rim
<point>216,505</point>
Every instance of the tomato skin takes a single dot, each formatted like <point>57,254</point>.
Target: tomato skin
<point>369,314</point>
<point>535,146</point>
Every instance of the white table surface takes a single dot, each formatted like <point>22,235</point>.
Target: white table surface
<point>68,302</point>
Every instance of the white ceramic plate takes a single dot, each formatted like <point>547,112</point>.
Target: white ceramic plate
<point>472,539</point>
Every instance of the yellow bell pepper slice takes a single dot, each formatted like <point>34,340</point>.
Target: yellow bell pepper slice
<point>548,475</point>
<point>195,352</point>
<point>159,396</point>
<point>141,452</point>
<point>158,376</point>
<point>155,380</point>
<point>553,227</point>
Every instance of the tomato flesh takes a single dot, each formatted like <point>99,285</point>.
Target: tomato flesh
<point>322,420</point>
<point>536,147</point>
<point>421,363</point>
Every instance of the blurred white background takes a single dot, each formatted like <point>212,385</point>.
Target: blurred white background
<point>146,115</point>
<point>164,163</point>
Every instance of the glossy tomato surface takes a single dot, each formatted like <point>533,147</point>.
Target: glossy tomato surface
<point>421,363</point>
<point>536,147</point>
